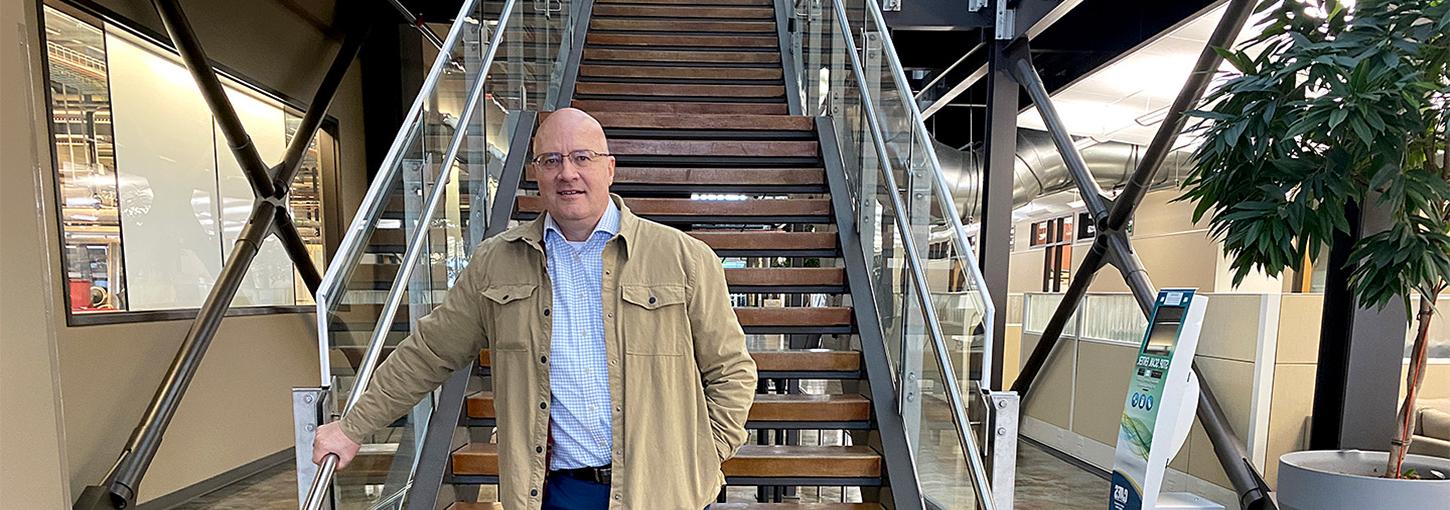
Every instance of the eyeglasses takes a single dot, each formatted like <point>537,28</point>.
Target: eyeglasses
<point>582,158</point>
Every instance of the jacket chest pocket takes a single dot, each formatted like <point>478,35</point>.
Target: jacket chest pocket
<point>654,320</point>
<point>515,309</point>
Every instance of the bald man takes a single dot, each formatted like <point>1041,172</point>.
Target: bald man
<point>621,378</point>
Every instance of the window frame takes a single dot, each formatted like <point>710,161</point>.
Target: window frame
<point>330,157</point>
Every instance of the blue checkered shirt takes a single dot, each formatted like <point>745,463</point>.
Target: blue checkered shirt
<point>578,372</point>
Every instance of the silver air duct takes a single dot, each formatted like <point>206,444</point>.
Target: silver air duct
<point>1041,171</point>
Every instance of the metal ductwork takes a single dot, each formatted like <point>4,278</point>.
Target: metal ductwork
<point>1041,171</point>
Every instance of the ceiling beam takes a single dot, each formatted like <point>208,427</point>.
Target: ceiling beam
<point>937,15</point>
<point>1032,17</point>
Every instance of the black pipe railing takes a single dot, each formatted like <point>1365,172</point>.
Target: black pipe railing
<point>268,216</point>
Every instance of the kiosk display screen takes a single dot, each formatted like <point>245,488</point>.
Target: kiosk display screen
<point>1164,331</point>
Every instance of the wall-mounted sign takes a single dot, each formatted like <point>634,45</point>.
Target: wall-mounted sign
<point>1162,394</point>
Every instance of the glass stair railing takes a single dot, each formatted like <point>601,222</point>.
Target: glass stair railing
<point>930,294</point>
<point>425,210</point>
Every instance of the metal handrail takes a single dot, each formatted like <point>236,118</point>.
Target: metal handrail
<point>918,277</point>
<point>373,203</point>
<point>944,195</point>
<point>316,495</point>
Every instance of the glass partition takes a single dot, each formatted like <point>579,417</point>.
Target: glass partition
<point>426,210</point>
<point>150,199</point>
<point>934,313</point>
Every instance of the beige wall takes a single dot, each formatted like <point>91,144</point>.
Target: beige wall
<point>102,377</point>
<point>32,466</point>
<point>1176,252</point>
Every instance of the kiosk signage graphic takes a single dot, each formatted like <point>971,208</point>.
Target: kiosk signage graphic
<point>1162,393</point>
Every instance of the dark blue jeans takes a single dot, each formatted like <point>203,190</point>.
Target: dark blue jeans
<point>565,493</point>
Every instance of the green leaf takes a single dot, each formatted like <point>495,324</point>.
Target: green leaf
<point>1337,117</point>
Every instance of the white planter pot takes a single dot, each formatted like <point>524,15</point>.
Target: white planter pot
<point>1350,480</point>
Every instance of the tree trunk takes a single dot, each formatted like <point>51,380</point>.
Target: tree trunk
<point>1415,376</point>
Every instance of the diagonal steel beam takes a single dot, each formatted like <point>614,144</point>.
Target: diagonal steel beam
<point>269,215</point>
<point>179,28</point>
<point>1233,21</point>
<point>316,110</point>
<point>1252,490</point>
<point>307,129</point>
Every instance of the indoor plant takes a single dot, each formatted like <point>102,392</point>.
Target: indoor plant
<point>1330,106</point>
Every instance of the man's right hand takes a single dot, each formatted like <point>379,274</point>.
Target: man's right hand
<point>330,439</point>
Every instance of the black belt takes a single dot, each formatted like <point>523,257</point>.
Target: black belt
<point>588,474</point>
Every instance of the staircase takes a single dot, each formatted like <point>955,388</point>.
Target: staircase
<point>693,101</point>
<point>718,135</point>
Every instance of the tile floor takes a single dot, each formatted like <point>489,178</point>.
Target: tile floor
<point>1044,482</point>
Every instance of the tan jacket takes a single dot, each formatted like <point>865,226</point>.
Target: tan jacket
<point>676,354</point>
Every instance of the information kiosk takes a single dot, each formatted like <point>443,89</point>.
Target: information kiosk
<point>1162,395</point>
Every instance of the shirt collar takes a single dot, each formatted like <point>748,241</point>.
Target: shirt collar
<point>608,224</point>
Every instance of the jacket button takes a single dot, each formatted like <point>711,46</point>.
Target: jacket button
<point>538,449</point>
<point>505,297</point>
<point>543,405</point>
<point>618,497</point>
<point>651,300</point>
<point>546,312</point>
<point>543,359</point>
<point>534,492</point>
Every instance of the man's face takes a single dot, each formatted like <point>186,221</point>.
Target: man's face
<point>576,189</point>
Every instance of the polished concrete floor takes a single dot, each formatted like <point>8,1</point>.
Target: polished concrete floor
<point>1043,483</point>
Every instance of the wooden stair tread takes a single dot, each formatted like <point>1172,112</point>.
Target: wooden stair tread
<point>795,316</point>
<point>649,120</point>
<point>712,176</point>
<point>772,148</point>
<point>606,70</point>
<point>478,459</point>
<point>680,25</point>
<point>480,405</point>
<point>823,360</point>
<point>685,11</point>
<point>466,505</point>
<point>818,408</point>
<point>794,360</point>
<point>688,207</point>
<point>761,276</point>
<point>678,89</point>
<point>663,55</point>
<point>716,41</point>
<point>767,240</point>
<point>678,107</point>
<point>804,461</point>
<point>797,407</point>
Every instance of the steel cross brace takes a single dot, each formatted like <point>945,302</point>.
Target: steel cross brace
<point>269,215</point>
<point>1112,245</point>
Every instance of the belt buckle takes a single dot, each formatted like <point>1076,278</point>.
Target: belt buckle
<point>602,475</point>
